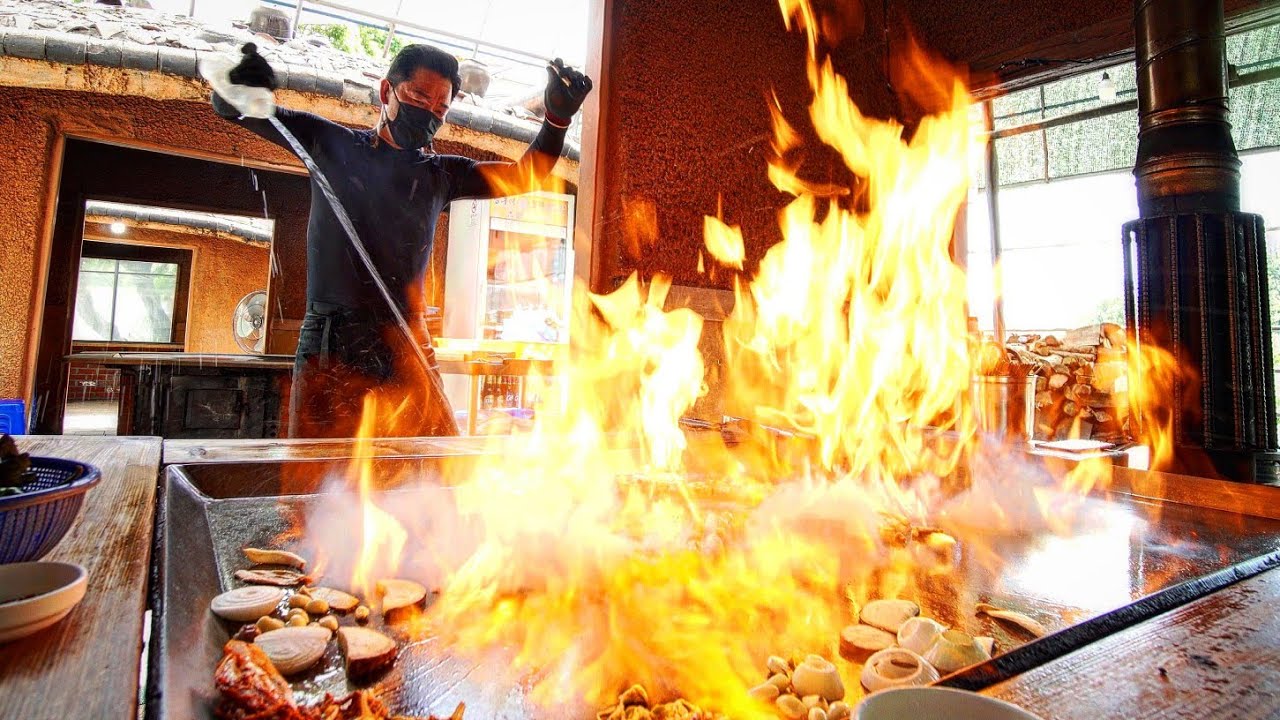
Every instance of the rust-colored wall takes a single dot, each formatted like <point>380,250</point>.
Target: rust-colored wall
<point>686,104</point>
<point>223,271</point>
<point>31,123</point>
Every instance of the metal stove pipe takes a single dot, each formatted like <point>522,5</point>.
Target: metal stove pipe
<point>1195,266</point>
<point>1187,160</point>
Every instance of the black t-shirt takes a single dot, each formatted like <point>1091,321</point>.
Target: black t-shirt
<point>393,197</point>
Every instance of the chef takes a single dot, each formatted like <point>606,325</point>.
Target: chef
<point>394,186</point>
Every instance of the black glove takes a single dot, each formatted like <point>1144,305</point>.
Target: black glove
<point>566,89</point>
<point>253,70</point>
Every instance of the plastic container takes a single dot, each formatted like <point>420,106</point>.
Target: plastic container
<point>32,523</point>
<point>254,102</point>
<point>13,417</point>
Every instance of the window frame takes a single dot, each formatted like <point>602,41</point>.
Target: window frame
<point>991,169</point>
<point>145,253</point>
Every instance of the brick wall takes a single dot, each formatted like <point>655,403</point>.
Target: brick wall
<point>86,382</point>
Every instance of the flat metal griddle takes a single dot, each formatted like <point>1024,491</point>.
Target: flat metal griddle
<point>1135,556</point>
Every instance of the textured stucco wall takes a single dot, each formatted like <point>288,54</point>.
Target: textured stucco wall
<point>223,271</point>
<point>31,123</point>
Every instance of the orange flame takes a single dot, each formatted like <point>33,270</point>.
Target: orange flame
<point>609,549</point>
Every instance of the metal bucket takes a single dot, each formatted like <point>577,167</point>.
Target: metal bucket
<point>1005,407</point>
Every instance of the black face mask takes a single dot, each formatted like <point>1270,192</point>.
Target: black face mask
<point>413,127</point>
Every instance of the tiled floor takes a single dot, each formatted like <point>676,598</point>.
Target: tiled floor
<point>95,417</point>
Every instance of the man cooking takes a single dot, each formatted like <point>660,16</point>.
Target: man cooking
<point>394,187</point>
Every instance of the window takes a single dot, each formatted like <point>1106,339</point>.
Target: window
<point>131,294</point>
<point>1065,187</point>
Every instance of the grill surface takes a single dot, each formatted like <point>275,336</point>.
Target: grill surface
<point>1119,568</point>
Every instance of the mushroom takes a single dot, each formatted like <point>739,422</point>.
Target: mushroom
<point>1023,621</point>
<point>338,601</point>
<point>259,556</point>
<point>294,649</point>
<point>919,633</point>
<point>859,642</point>
<point>888,615</point>
<point>817,676</point>
<point>896,667</point>
<point>246,604</point>
<point>367,651</point>
<point>279,578</point>
<point>398,594</point>
<point>954,650</point>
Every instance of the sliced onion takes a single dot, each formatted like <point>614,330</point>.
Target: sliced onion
<point>919,633</point>
<point>294,649</point>
<point>888,615</point>
<point>896,667</point>
<point>859,642</point>
<point>817,676</point>
<point>954,650</point>
<point>246,604</point>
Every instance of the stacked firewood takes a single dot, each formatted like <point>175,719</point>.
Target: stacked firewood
<point>1081,386</point>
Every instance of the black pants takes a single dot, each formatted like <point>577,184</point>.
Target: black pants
<point>350,361</point>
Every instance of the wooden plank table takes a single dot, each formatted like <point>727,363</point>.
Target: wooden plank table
<point>1217,657</point>
<point>87,665</point>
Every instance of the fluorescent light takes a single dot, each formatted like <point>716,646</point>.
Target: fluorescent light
<point>117,228</point>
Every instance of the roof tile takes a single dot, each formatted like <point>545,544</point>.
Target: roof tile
<point>177,61</point>
<point>65,48</point>
<point>329,84</point>
<point>139,57</point>
<point>102,52</point>
<point>25,43</point>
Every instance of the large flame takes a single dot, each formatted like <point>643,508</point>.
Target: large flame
<point>603,549</point>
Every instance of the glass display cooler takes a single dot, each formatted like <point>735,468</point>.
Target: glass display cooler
<point>508,294</point>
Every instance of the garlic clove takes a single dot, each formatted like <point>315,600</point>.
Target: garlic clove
<point>919,633</point>
<point>954,650</point>
<point>817,676</point>
<point>778,665</point>
<point>888,615</point>
<point>765,692</point>
<point>791,707</point>
<point>896,667</point>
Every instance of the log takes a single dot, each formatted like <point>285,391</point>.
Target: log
<point>1058,380</point>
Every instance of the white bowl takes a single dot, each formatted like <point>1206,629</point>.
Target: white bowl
<point>936,703</point>
<point>35,595</point>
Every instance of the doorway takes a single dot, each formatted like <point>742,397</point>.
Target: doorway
<point>153,252</point>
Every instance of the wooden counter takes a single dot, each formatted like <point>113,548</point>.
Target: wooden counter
<point>1216,657</point>
<point>196,395</point>
<point>86,666</point>
<point>182,359</point>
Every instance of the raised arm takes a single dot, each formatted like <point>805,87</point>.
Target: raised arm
<point>566,90</point>
<point>254,71</point>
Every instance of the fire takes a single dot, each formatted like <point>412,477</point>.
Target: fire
<point>602,549</point>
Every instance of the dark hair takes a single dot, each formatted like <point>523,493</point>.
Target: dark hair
<point>412,58</point>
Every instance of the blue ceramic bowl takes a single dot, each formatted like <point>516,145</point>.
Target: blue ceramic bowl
<point>32,523</point>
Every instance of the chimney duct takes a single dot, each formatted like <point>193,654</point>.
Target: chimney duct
<point>1195,266</point>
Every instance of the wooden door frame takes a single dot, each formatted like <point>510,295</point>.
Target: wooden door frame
<point>53,317</point>
<point>591,168</point>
